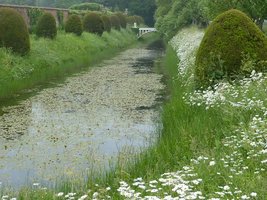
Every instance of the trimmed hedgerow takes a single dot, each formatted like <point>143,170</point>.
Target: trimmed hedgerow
<point>46,26</point>
<point>93,23</point>
<point>13,31</point>
<point>115,22</point>
<point>107,23</point>
<point>122,18</point>
<point>131,20</point>
<point>231,37</point>
<point>74,25</point>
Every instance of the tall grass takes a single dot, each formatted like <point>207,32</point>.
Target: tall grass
<point>55,58</point>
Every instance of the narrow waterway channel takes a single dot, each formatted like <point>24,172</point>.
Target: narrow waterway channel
<point>82,123</point>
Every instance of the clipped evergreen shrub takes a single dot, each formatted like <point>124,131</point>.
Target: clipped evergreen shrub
<point>93,23</point>
<point>228,38</point>
<point>138,19</point>
<point>115,22</point>
<point>131,20</point>
<point>122,18</point>
<point>107,23</point>
<point>13,31</point>
<point>46,26</point>
<point>74,25</point>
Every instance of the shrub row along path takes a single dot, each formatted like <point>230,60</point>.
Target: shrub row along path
<point>81,123</point>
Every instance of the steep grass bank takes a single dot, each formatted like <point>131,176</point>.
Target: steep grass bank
<point>55,58</point>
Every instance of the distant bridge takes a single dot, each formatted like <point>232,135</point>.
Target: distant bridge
<point>143,31</point>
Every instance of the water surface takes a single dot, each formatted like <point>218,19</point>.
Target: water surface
<point>83,123</point>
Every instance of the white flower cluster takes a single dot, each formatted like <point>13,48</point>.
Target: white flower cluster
<point>70,196</point>
<point>185,44</point>
<point>170,186</point>
<point>240,94</point>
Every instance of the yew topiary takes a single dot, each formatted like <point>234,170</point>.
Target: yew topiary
<point>229,37</point>
<point>122,18</point>
<point>74,25</point>
<point>107,23</point>
<point>131,20</point>
<point>13,31</point>
<point>93,24</point>
<point>139,20</point>
<point>46,26</point>
<point>115,22</point>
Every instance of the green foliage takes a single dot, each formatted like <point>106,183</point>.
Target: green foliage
<point>107,23</point>
<point>122,18</point>
<point>93,23</point>
<point>74,25</point>
<point>34,14</point>
<point>46,26</point>
<point>171,16</point>
<point>230,36</point>
<point>130,20</point>
<point>13,31</point>
<point>135,19</point>
<point>139,19</point>
<point>144,8</point>
<point>87,6</point>
<point>257,10</point>
<point>115,22</point>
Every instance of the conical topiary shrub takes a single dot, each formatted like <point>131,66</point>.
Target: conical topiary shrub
<point>131,20</point>
<point>115,22</point>
<point>229,37</point>
<point>107,23</point>
<point>13,31</point>
<point>93,24</point>
<point>122,18</point>
<point>139,20</point>
<point>46,26</point>
<point>74,25</point>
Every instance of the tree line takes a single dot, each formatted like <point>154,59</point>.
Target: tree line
<point>144,8</point>
<point>172,15</point>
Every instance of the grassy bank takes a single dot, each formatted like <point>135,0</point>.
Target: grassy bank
<point>55,58</point>
<point>212,146</point>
